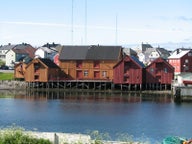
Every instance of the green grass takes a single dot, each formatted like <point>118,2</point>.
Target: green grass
<point>15,135</point>
<point>6,76</point>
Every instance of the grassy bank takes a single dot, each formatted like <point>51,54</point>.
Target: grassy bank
<point>6,76</point>
<point>15,135</point>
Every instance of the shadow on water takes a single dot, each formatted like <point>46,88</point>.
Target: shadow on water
<point>89,96</point>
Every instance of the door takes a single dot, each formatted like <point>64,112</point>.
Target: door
<point>96,74</point>
<point>79,74</point>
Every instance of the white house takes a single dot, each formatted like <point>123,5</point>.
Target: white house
<point>4,49</point>
<point>45,52</point>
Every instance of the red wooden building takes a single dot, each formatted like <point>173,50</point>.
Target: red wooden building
<point>159,74</point>
<point>181,60</point>
<point>129,72</point>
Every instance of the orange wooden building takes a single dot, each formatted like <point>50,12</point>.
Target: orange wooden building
<point>90,62</point>
<point>42,70</point>
<point>19,69</point>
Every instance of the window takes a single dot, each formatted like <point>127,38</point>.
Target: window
<point>96,64</point>
<point>151,70</point>
<point>36,77</point>
<point>79,64</point>
<point>165,70</point>
<point>85,73</point>
<point>104,74</point>
<point>36,66</point>
<point>190,54</point>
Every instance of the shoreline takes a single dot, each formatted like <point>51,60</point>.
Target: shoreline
<point>71,138</point>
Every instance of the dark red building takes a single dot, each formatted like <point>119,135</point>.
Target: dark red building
<point>129,72</point>
<point>159,74</point>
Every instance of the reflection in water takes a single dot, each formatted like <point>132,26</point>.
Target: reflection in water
<point>152,115</point>
<point>96,96</point>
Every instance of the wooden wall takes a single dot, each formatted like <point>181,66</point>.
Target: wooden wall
<point>71,69</point>
<point>160,72</point>
<point>128,72</point>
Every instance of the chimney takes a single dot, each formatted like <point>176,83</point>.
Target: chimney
<point>177,51</point>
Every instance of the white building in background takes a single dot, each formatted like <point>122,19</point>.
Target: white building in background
<point>45,52</point>
<point>3,51</point>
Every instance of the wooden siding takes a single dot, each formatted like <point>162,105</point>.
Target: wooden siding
<point>19,70</point>
<point>176,64</point>
<point>159,72</point>
<point>42,73</point>
<point>128,71</point>
<point>104,69</point>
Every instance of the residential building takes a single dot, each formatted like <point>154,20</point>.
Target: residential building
<point>181,60</point>
<point>18,53</point>
<point>4,49</point>
<point>153,53</point>
<point>45,52</point>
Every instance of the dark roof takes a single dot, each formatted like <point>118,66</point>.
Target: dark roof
<point>144,47</point>
<point>163,52</point>
<point>49,63</point>
<point>137,61</point>
<point>27,59</point>
<point>24,49</point>
<point>7,47</point>
<point>94,52</point>
<point>73,52</point>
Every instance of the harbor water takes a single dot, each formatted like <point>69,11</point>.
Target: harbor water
<point>140,116</point>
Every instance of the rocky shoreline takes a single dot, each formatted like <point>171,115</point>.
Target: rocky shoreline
<point>69,138</point>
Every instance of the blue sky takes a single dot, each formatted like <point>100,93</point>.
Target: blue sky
<point>107,22</point>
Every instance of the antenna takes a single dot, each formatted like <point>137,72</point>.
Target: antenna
<point>116,33</point>
<point>72,23</point>
<point>85,21</point>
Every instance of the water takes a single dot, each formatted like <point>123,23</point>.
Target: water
<point>141,116</point>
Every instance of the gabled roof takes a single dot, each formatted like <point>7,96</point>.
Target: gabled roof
<point>163,52</point>
<point>160,59</point>
<point>46,62</point>
<point>49,63</point>
<point>133,58</point>
<point>178,53</point>
<point>24,49</point>
<point>144,47</point>
<point>94,52</point>
<point>129,51</point>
